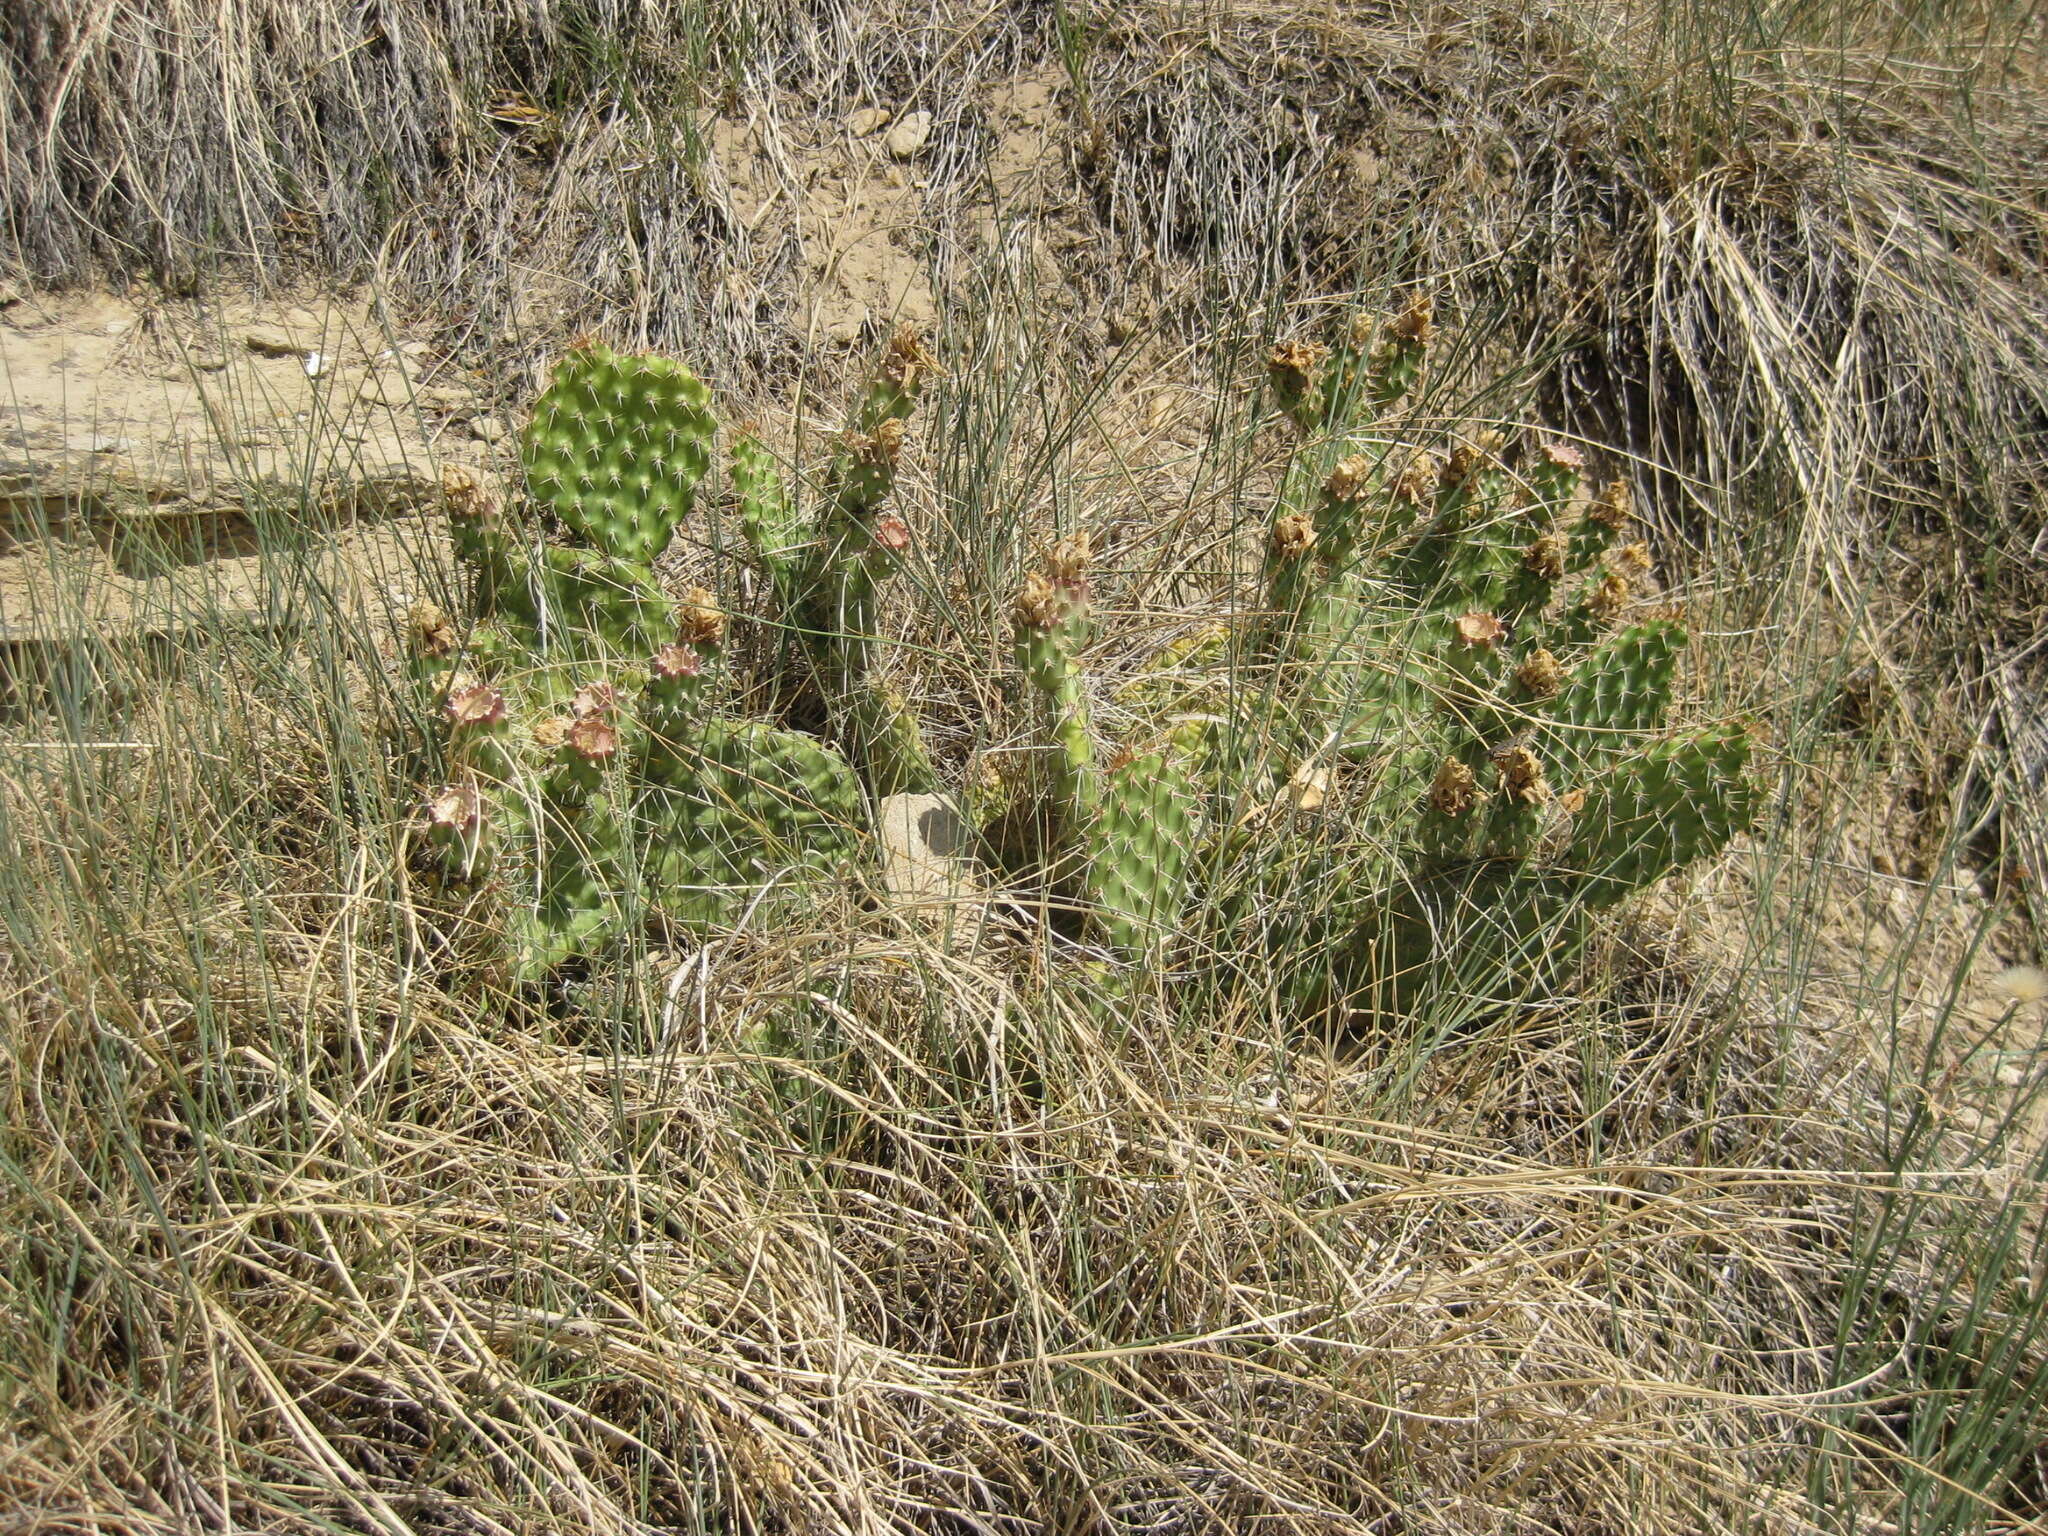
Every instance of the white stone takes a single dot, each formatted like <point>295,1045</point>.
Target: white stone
<point>909,135</point>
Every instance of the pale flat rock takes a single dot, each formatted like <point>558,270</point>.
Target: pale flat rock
<point>270,341</point>
<point>911,133</point>
<point>925,852</point>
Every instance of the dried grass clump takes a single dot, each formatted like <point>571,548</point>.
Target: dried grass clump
<point>840,1232</point>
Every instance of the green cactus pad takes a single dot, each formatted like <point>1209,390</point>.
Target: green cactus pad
<point>741,805</point>
<point>1624,686</point>
<point>768,517</point>
<point>616,448</point>
<point>1680,801</point>
<point>1138,851</point>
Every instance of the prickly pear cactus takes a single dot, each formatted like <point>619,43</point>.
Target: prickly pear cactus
<point>1453,642</point>
<point>828,570</point>
<point>592,784</point>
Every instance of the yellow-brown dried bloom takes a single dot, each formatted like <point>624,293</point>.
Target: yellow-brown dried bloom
<point>464,493</point>
<point>1540,676</point>
<point>1455,789</point>
<point>1039,604</point>
<point>552,733</point>
<point>1545,557</point>
<point>477,704</point>
<point>907,359</point>
<point>1522,773</point>
<point>1068,562</point>
<point>1611,510</point>
<point>1607,597</point>
<point>1564,456</point>
<point>1481,631</point>
<point>1468,459</point>
<point>1293,536</point>
<point>432,631</point>
<point>1348,480</point>
<point>1417,478</point>
<point>699,619</point>
<point>1413,326</point>
<point>1292,363</point>
<point>1631,560</point>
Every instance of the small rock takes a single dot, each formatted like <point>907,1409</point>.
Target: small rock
<point>488,429</point>
<point>9,294</point>
<point>206,362</point>
<point>385,389</point>
<point>302,319</point>
<point>2010,1076</point>
<point>414,349</point>
<point>111,445</point>
<point>317,363</point>
<point>866,121</point>
<point>925,842</point>
<point>447,397</point>
<point>909,135</point>
<point>269,341</point>
<point>114,327</point>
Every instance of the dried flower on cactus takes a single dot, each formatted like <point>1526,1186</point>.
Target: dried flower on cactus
<point>673,663</point>
<point>1481,631</point>
<point>1293,536</point>
<point>1607,597</point>
<point>1068,562</point>
<point>464,493</point>
<point>1413,325</point>
<point>1632,560</point>
<point>1039,605</point>
<point>593,701</point>
<point>1540,676</point>
<point>1545,557</point>
<point>457,808</point>
<point>907,358</point>
<point>593,739</point>
<point>552,733</point>
<point>1522,773</point>
<point>1611,509</point>
<point>1455,788</point>
<point>879,449</point>
<point>475,704</point>
<point>432,631</point>
<point>1563,456</point>
<point>1417,478</point>
<point>1292,366</point>
<point>892,533</point>
<point>1347,481</point>
<point>699,619</point>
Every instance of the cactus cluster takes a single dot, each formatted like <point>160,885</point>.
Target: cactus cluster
<point>592,781</point>
<point>1451,663</point>
<point>828,569</point>
<point>1454,634</point>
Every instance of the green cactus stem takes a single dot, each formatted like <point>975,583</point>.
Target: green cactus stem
<point>1052,624</point>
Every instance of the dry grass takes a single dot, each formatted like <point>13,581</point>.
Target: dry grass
<point>853,1226</point>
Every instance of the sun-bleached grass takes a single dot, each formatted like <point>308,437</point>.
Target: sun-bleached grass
<point>865,1225</point>
<point>310,1223</point>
